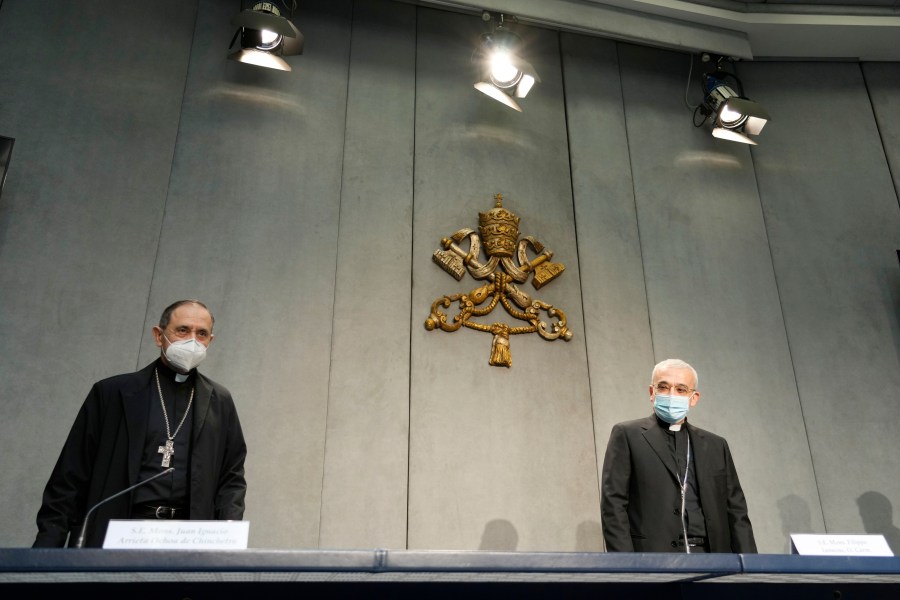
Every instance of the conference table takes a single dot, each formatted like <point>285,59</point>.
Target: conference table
<point>385,573</point>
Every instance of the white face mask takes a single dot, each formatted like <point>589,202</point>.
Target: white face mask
<point>185,354</point>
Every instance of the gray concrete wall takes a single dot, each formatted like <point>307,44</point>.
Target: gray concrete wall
<point>95,124</point>
<point>304,208</point>
<point>832,221</point>
<point>368,401</point>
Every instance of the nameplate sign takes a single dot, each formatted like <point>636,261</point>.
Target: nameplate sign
<point>163,534</point>
<point>839,545</point>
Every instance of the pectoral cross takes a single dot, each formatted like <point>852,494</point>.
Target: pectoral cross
<point>167,451</point>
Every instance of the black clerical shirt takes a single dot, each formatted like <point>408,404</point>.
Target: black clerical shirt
<point>678,445</point>
<point>171,489</point>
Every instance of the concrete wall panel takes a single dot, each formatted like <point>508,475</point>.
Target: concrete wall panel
<point>834,228</point>
<point>617,325</point>
<point>364,495</point>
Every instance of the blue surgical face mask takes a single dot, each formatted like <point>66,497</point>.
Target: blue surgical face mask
<point>671,409</point>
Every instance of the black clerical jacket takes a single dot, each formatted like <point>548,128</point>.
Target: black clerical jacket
<point>102,456</point>
<point>641,497</point>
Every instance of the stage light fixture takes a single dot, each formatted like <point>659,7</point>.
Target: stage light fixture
<point>266,36</point>
<point>502,73</point>
<point>733,116</point>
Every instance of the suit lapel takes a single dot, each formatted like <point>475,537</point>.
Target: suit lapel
<point>136,398</point>
<point>656,438</point>
<point>202,394</point>
<point>700,446</point>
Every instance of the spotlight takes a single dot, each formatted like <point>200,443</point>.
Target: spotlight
<point>266,36</point>
<point>734,116</point>
<point>503,73</point>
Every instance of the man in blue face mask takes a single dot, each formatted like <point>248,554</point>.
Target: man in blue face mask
<point>669,486</point>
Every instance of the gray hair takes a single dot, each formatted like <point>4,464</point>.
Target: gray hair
<point>674,363</point>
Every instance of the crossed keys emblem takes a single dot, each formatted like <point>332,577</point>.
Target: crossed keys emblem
<point>498,234</point>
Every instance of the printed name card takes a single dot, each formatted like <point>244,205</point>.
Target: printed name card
<point>839,545</point>
<point>132,534</point>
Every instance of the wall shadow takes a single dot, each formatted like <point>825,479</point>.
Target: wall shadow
<point>795,518</point>
<point>877,515</point>
<point>500,536</point>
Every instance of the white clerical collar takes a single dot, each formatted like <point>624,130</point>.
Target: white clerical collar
<point>675,426</point>
<point>179,377</point>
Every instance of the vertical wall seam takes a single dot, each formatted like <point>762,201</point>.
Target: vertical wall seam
<point>637,220</point>
<point>412,248</point>
<point>162,221</point>
<point>887,162</point>
<point>337,252</point>
<point>562,69</point>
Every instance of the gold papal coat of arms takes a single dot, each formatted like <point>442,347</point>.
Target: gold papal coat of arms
<point>507,265</point>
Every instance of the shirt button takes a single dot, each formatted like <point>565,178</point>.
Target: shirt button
<point>674,511</point>
<point>674,544</point>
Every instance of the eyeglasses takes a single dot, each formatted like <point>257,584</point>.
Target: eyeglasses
<point>183,332</point>
<point>682,390</point>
